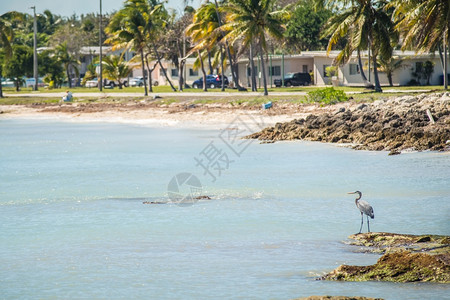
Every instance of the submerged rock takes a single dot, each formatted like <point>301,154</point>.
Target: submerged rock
<point>407,258</point>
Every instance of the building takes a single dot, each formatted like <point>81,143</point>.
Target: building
<point>316,62</point>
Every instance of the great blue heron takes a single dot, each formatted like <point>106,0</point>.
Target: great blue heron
<point>365,208</point>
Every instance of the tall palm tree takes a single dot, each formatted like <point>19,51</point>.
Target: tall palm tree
<point>133,27</point>
<point>208,36</point>
<point>203,32</point>
<point>425,24</point>
<point>250,21</point>
<point>68,60</point>
<point>364,23</point>
<point>127,29</point>
<point>115,68</point>
<point>6,35</point>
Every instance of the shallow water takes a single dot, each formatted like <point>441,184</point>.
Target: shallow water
<point>73,224</point>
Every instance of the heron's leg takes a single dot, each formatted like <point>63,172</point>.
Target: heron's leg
<point>368,228</point>
<point>362,220</point>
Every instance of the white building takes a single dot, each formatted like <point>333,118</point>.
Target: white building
<point>315,62</point>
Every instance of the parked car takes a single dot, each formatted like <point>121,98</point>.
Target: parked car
<point>92,83</point>
<point>294,79</point>
<point>106,83</point>
<point>137,81</point>
<point>212,81</point>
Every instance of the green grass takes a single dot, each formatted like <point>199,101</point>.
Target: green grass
<point>359,94</point>
<point>168,89</point>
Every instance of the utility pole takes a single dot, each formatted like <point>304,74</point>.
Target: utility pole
<point>35,58</point>
<point>100,83</point>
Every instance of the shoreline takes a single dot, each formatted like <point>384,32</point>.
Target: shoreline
<point>176,115</point>
<point>397,124</point>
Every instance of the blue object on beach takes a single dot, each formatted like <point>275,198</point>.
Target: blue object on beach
<point>267,105</point>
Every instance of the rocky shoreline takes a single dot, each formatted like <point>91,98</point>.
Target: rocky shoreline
<point>420,122</point>
<point>407,258</point>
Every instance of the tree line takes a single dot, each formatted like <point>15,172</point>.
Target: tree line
<point>220,32</point>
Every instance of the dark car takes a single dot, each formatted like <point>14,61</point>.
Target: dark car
<point>212,81</point>
<point>294,79</point>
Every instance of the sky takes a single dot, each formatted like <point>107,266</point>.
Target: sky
<point>67,8</point>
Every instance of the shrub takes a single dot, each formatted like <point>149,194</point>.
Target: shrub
<point>327,96</point>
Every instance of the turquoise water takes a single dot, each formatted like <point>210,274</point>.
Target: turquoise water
<point>73,224</point>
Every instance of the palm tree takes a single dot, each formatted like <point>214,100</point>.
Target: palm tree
<point>425,24</point>
<point>127,29</point>
<point>68,60</point>
<point>250,20</point>
<point>364,24</point>
<point>6,35</point>
<point>133,27</point>
<point>389,66</point>
<point>115,68</point>
<point>203,32</point>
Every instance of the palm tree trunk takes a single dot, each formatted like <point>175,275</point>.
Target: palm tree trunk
<point>1,87</point>
<point>445,62</point>
<point>375,73</point>
<point>211,69</point>
<point>361,70</point>
<point>149,72</point>
<point>227,47</point>
<point>263,67</point>
<point>252,70</point>
<point>68,76</point>
<point>222,58</point>
<point>158,58</point>
<point>389,76</point>
<point>143,72</point>
<point>205,88</point>
<point>181,79</point>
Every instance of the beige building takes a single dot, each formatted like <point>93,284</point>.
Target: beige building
<point>314,62</point>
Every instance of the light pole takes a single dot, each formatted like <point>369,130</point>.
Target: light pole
<point>100,83</point>
<point>35,59</point>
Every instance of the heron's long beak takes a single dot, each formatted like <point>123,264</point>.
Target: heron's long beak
<point>351,193</point>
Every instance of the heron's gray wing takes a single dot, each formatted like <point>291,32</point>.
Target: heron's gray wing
<point>365,207</point>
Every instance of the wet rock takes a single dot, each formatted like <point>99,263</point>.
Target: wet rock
<point>401,266</point>
<point>393,125</point>
<point>406,258</point>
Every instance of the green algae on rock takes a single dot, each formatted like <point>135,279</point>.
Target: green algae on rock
<point>402,266</point>
<point>407,258</point>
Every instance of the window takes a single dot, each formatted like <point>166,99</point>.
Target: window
<point>275,71</point>
<point>193,72</point>
<point>255,70</point>
<point>174,72</point>
<point>161,72</point>
<point>354,69</point>
<point>305,68</point>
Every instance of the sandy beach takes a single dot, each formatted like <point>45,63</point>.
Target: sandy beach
<point>419,122</point>
<point>178,114</point>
